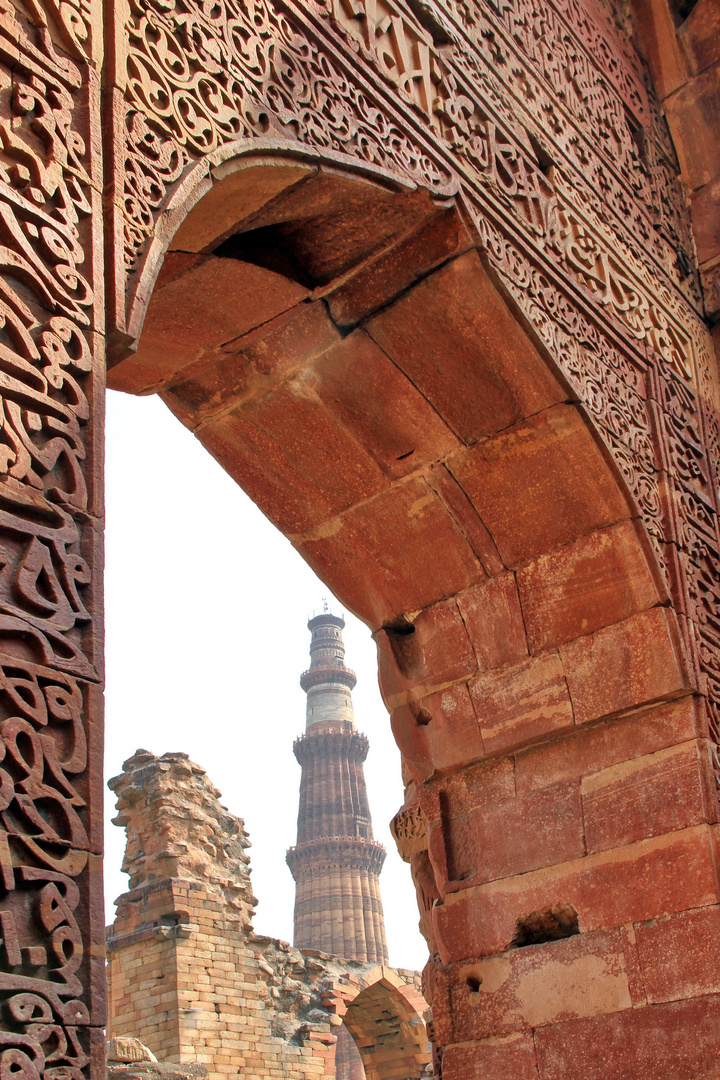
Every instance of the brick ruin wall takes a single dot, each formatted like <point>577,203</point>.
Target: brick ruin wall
<point>189,978</point>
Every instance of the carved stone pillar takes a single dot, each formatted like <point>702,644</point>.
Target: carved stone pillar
<point>52,1007</point>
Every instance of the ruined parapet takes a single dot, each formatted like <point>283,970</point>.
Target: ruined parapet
<point>176,827</point>
<point>189,979</point>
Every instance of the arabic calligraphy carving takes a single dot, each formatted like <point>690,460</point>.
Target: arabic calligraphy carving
<point>197,79</point>
<point>43,849</point>
<point>49,214</point>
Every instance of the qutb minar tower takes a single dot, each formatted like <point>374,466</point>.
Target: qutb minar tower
<point>336,863</point>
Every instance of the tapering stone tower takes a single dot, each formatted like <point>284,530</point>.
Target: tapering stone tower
<point>336,863</point>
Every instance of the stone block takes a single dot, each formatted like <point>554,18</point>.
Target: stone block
<point>479,785</point>
<point>507,837</point>
<point>699,35</point>
<point>522,702</point>
<point>375,283</point>
<point>467,518</point>
<point>416,656</point>
<point>632,663</point>
<point>648,796</point>
<point>589,749</point>
<point>399,552</point>
<point>262,468</point>
<point>494,621</point>
<point>679,1041</point>
<point>458,341</point>
<point>540,484</point>
<point>316,445</point>
<point>493,1059</point>
<point>241,188</point>
<point>246,367</point>
<point>680,955</point>
<point>216,301</point>
<point>581,976</point>
<point>332,222</point>
<point>706,226</point>
<point>441,732</point>
<point>374,400</point>
<point>692,113</point>
<point>646,880</point>
<point>594,582</point>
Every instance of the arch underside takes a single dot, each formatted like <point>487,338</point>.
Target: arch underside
<point>352,357</point>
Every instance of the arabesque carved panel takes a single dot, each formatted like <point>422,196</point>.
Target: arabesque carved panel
<point>50,721</point>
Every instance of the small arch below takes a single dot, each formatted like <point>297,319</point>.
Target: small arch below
<point>389,1032</point>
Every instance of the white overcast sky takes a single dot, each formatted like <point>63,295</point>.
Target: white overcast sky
<point>206,608</point>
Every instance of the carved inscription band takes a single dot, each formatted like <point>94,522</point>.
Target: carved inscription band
<point>51,1008</point>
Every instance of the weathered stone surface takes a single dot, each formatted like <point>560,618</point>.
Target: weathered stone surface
<point>678,955</point>
<point>476,786</point>
<point>494,621</point>
<point>567,489</point>
<point>377,282</point>
<point>530,988</point>
<point>645,880</point>
<point>440,732</point>
<point>596,581</point>
<point>215,301</point>
<point>633,1041</point>
<point>245,191</point>
<point>467,519</point>
<point>512,836</point>
<point>419,655</point>
<point>522,702</point>
<point>585,751</point>
<point>247,366</point>
<point>493,1059</point>
<point>386,413</point>
<point>336,471</point>
<point>648,796</point>
<point>691,111</point>
<point>633,663</point>
<point>457,342</point>
<point>427,558</point>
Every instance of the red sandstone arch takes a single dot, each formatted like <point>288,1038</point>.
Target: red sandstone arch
<point>341,348</point>
<point>385,1020</point>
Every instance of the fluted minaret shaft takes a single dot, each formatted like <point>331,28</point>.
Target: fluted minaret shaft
<point>336,862</point>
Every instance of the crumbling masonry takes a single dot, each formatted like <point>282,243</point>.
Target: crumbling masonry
<point>190,979</point>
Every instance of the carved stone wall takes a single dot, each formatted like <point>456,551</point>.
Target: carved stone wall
<point>545,460</point>
<point>188,976</point>
<point>51,372</point>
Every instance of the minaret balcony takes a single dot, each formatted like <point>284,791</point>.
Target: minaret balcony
<point>325,737</point>
<point>315,676</point>
<point>358,852</point>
